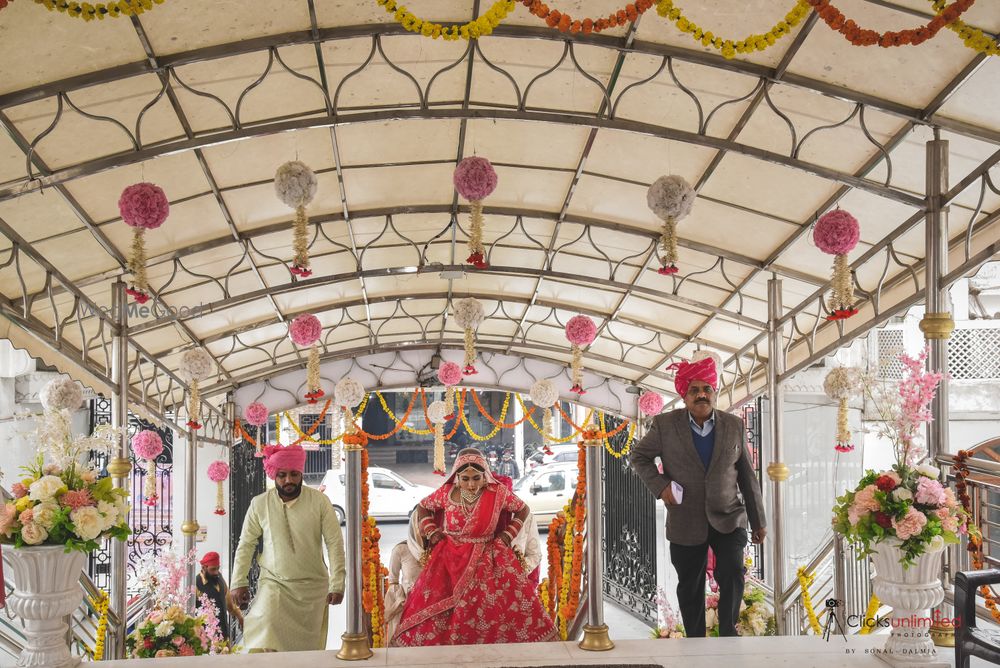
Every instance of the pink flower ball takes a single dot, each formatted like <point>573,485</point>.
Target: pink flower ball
<point>256,414</point>
<point>218,471</point>
<point>143,205</point>
<point>837,232</point>
<point>305,329</point>
<point>147,444</point>
<point>581,330</point>
<point>475,178</point>
<point>651,403</point>
<point>450,374</point>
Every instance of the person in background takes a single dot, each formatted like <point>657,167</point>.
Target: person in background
<point>211,583</point>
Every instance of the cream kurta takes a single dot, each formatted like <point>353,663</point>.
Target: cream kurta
<point>289,612</point>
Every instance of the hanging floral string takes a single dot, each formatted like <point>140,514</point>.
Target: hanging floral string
<point>975,546</point>
<point>837,233</point>
<point>544,395</point>
<point>569,596</point>
<point>436,414</point>
<point>469,314</point>
<point>839,385</point>
<point>859,36</point>
<point>218,472</point>
<point>255,414</point>
<point>101,605</point>
<point>580,331</point>
<point>99,10</point>
<point>407,428</point>
<point>450,375</point>
<point>671,199</point>
<point>306,330</point>
<point>548,436</point>
<point>868,622</point>
<point>143,206</point>
<point>147,445</point>
<point>474,180</point>
<point>974,38</point>
<point>566,23</point>
<point>372,570</point>
<point>479,27</point>
<point>805,581</point>
<point>496,430</point>
<point>196,365</point>
<point>730,47</point>
<point>295,185</point>
<point>492,420</point>
<point>627,448</point>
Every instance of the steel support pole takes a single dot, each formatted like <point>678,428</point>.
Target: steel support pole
<point>777,471</point>
<point>190,526</point>
<point>595,632</point>
<point>120,465</point>
<point>354,642</point>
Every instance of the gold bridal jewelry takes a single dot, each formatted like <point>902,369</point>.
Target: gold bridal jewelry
<point>470,497</point>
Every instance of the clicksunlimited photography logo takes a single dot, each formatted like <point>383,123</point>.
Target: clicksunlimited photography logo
<point>837,623</point>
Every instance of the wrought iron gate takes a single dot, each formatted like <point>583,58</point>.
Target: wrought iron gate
<point>630,533</point>
<point>751,414</point>
<point>248,480</point>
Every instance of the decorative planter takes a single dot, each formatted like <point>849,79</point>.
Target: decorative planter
<point>911,592</point>
<point>46,589</point>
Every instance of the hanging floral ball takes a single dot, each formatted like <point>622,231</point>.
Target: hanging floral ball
<point>450,374</point>
<point>469,313</point>
<point>348,392</point>
<point>708,354</point>
<point>670,197</point>
<point>475,178</point>
<point>305,329</point>
<point>651,403</point>
<point>836,232</point>
<point>147,444</point>
<point>436,412</point>
<point>196,364</point>
<point>295,184</point>
<point>256,414</point>
<point>581,330</point>
<point>143,205</point>
<point>61,393</point>
<point>218,471</point>
<point>842,382</point>
<point>544,393</point>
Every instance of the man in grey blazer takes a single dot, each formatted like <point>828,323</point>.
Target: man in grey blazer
<point>703,450</point>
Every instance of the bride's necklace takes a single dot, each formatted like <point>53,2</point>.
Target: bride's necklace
<point>470,497</point>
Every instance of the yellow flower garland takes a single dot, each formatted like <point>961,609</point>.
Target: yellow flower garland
<point>974,38</point>
<point>549,437</point>
<point>392,416</point>
<point>567,569</point>
<point>730,47</point>
<point>607,444</point>
<point>873,605</point>
<point>496,429</point>
<point>805,580</point>
<point>325,441</point>
<point>101,604</point>
<point>479,27</point>
<point>100,10</point>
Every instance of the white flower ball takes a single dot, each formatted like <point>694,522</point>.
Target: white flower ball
<point>295,184</point>
<point>62,393</point>
<point>196,364</point>
<point>544,393</point>
<point>670,197</point>
<point>469,313</point>
<point>841,382</point>
<point>436,412</point>
<point>348,392</point>
<point>706,354</point>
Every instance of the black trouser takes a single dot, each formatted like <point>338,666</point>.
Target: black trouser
<point>691,561</point>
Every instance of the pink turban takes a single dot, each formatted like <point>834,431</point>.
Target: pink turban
<point>291,458</point>
<point>685,372</point>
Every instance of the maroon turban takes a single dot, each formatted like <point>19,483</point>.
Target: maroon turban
<point>290,458</point>
<point>210,559</point>
<point>685,372</point>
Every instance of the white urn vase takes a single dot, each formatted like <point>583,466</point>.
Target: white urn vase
<point>911,592</point>
<point>46,589</point>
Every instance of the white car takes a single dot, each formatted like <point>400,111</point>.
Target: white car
<point>561,454</point>
<point>390,495</point>
<point>547,489</point>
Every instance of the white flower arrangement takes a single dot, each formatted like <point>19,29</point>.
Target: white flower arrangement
<point>436,412</point>
<point>348,392</point>
<point>295,184</point>
<point>670,197</point>
<point>544,393</point>
<point>196,364</point>
<point>469,313</point>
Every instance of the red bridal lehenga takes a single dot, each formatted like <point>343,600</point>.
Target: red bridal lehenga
<point>473,589</point>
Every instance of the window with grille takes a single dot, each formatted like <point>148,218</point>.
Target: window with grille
<point>890,345</point>
<point>974,354</point>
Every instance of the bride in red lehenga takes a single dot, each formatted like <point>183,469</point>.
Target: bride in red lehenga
<point>473,589</point>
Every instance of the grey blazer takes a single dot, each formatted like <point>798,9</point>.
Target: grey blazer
<point>714,496</point>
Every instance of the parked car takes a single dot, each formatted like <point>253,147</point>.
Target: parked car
<point>547,489</point>
<point>390,495</point>
<point>563,453</point>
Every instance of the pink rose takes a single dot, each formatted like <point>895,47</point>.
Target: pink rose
<point>8,514</point>
<point>178,641</point>
<point>18,490</point>
<point>911,524</point>
<point>26,516</point>
<point>929,492</point>
<point>941,513</point>
<point>865,500</point>
<point>186,650</point>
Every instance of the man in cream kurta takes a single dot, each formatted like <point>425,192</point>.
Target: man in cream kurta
<point>290,611</point>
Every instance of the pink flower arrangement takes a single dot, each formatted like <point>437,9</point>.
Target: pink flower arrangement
<point>256,414</point>
<point>147,444</point>
<point>837,232</point>
<point>18,490</point>
<point>475,178</point>
<point>218,471</point>
<point>305,330</point>
<point>651,403</point>
<point>450,374</point>
<point>581,330</point>
<point>143,205</point>
<point>911,524</point>
<point>929,492</point>
<point>77,499</point>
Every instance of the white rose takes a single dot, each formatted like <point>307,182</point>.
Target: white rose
<point>33,534</point>
<point>45,514</point>
<point>936,544</point>
<point>45,488</point>
<point>929,471</point>
<point>110,513</point>
<point>89,476</point>
<point>902,494</point>
<point>164,629</point>
<point>87,522</point>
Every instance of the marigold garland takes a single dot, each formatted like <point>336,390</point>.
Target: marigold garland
<point>494,421</point>
<point>859,36</point>
<point>480,27</point>
<point>868,622</point>
<point>566,23</point>
<point>555,563</point>
<point>392,415</point>
<point>975,546</point>
<point>730,47</point>
<point>573,559</point>
<point>496,429</point>
<point>974,38</point>
<point>617,454</point>
<point>805,581</point>
<point>100,10</point>
<point>372,571</point>
<point>101,605</point>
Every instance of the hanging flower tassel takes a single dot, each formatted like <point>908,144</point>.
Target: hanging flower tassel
<point>143,206</point>
<point>194,406</point>
<point>548,426</point>
<point>337,433</point>
<point>580,331</point>
<point>306,330</point>
<point>544,395</point>
<point>469,314</point>
<point>437,414</point>
<point>218,472</point>
<point>839,385</point>
<point>347,394</point>
<point>837,233</point>
<point>470,353</point>
<point>450,375</point>
<point>315,392</point>
<point>295,184</point>
<point>475,179</point>
<point>147,445</point>
<point>671,199</point>
<point>196,365</point>
<point>843,431</point>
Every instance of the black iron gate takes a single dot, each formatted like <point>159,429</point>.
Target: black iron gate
<point>630,533</point>
<point>751,414</point>
<point>248,480</point>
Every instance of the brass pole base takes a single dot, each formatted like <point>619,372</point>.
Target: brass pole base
<point>119,467</point>
<point>595,639</point>
<point>354,647</point>
<point>937,325</point>
<point>777,471</point>
<point>943,635</point>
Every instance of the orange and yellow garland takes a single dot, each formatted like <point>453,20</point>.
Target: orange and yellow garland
<point>975,546</point>
<point>372,570</point>
<point>859,36</point>
<point>569,595</point>
<point>566,23</point>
